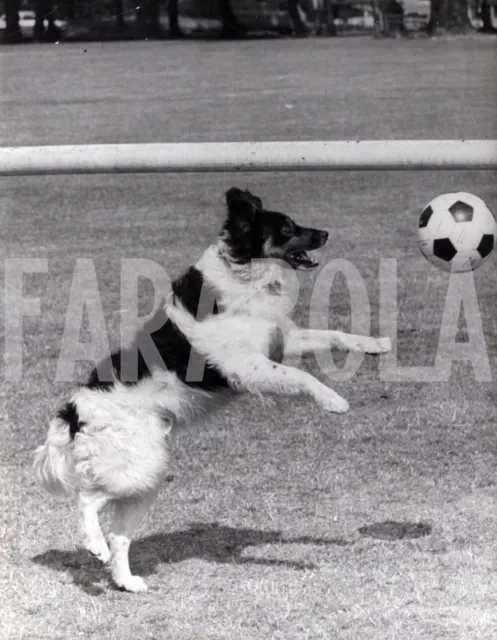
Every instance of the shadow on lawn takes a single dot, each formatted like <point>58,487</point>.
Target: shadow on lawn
<point>211,542</point>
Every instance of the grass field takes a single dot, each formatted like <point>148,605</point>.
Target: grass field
<point>256,536</point>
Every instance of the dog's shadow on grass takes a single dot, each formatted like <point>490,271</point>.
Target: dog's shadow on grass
<point>210,542</point>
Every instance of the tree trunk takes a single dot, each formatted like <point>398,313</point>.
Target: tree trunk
<point>119,8</point>
<point>12,33</point>
<point>329,12</point>
<point>485,14</point>
<point>148,18</point>
<point>44,11</point>
<point>449,16</point>
<point>298,26</point>
<point>231,27</point>
<point>70,7</point>
<point>172,10</point>
<point>39,29</point>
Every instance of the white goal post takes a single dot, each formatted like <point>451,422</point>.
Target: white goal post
<point>189,157</point>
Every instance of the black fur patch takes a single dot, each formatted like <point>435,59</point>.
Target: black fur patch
<point>196,295</point>
<point>172,350</point>
<point>69,414</point>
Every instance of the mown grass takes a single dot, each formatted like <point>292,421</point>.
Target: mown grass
<point>256,535</point>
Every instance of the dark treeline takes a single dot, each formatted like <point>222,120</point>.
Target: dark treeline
<point>445,15</point>
<point>147,17</point>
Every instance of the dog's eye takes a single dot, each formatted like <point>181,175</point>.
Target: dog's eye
<point>287,229</point>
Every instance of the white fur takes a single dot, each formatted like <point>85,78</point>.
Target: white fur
<point>122,452</point>
<point>54,461</point>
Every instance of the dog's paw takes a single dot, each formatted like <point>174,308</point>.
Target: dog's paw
<point>99,549</point>
<point>135,584</point>
<point>334,403</point>
<point>378,345</point>
<point>384,345</point>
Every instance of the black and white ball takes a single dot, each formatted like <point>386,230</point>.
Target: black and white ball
<point>457,232</point>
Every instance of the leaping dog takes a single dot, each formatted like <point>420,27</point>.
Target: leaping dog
<point>224,331</point>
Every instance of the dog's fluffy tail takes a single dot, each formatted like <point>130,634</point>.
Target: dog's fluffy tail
<point>54,462</point>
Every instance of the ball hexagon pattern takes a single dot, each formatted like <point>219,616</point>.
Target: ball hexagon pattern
<point>461,211</point>
<point>457,232</point>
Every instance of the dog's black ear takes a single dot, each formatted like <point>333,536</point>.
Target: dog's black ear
<point>242,207</point>
<point>242,202</point>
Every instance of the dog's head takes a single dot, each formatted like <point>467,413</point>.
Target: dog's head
<point>251,232</point>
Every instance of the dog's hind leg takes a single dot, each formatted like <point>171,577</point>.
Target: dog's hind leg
<point>90,503</point>
<point>128,515</point>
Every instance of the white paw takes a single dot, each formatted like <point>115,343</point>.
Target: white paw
<point>334,403</point>
<point>384,345</point>
<point>135,584</point>
<point>378,345</point>
<point>99,549</point>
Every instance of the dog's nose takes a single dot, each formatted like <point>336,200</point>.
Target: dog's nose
<point>324,236</point>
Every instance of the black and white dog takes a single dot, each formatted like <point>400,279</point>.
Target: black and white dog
<point>224,331</point>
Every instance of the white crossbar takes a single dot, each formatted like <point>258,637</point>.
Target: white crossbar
<point>189,157</point>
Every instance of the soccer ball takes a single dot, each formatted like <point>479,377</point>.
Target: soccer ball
<point>457,232</point>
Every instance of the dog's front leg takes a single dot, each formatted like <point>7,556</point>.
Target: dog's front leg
<point>257,374</point>
<point>308,341</point>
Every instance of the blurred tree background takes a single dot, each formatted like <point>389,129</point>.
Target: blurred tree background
<point>45,20</point>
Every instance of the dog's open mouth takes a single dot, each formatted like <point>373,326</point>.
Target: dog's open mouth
<point>301,260</point>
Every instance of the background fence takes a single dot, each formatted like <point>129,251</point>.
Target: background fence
<point>249,156</point>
